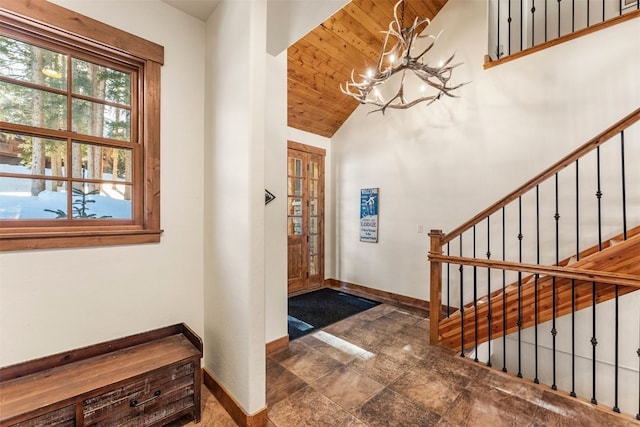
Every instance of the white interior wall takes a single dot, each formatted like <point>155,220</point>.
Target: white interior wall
<point>275,160</point>
<point>629,342</point>
<point>289,20</point>
<point>234,290</point>
<point>438,166</point>
<point>56,300</point>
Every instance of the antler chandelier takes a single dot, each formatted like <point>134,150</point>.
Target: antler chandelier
<point>396,57</point>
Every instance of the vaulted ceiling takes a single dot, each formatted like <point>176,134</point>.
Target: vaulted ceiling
<point>323,59</point>
<point>320,61</point>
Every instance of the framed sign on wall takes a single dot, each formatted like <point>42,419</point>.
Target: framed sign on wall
<point>369,215</point>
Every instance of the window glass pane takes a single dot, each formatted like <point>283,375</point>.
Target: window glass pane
<point>17,199</point>
<point>295,186</point>
<point>100,82</point>
<point>116,164</point>
<point>92,118</point>
<point>295,206</point>
<point>313,188</point>
<point>32,107</point>
<point>295,225</point>
<point>313,265</point>
<point>25,62</point>
<point>313,207</point>
<point>295,167</point>
<point>98,162</point>
<point>314,170</point>
<point>313,225</point>
<point>100,201</point>
<point>28,155</point>
<point>10,147</point>
<point>313,245</point>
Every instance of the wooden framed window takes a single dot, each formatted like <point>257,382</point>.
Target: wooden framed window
<point>79,131</point>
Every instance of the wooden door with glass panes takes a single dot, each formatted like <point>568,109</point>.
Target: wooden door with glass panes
<point>305,217</point>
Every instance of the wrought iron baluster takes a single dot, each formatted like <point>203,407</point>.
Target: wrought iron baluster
<point>488,295</point>
<point>594,340</point>
<point>546,16</point>
<point>572,393</point>
<point>509,35</point>
<point>573,15</point>
<point>638,353</point>
<point>519,288</point>
<point>554,331</point>
<point>599,197</point>
<point>475,299</point>
<point>624,189</point>
<point>577,210</point>
<point>521,24</point>
<point>504,298</point>
<point>533,23</point>
<point>535,286</point>
<point>498,54</point>
<point>573,288</point>
<point>594,343</point>
<point>602,11</point>
<point>559,17</point>
<point>616,366</point>
<point>588,12</point>
<point>461,304</point>
<point>448,283</point>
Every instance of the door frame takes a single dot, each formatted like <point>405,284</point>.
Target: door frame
<point>311,150</point>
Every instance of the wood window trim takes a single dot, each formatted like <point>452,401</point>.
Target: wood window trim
<point>46,18</point>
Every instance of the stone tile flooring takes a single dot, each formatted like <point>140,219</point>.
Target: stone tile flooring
<point>377,369</point>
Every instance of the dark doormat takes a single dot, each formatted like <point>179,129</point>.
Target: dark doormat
<point>315,310</point>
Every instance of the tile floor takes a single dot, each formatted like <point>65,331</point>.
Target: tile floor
<point>377,369</point>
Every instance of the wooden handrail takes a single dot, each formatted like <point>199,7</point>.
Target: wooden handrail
<point>547,270</point>
<point>547,173</point>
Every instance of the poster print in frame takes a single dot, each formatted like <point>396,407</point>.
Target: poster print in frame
<point>369,215</point>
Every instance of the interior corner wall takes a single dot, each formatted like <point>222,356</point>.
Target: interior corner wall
<point>60,299</point>
<point>438,166</point>
<point>275,180</point>
<point>318,141</point>
<point>234,248</point>
<point>289,21</point>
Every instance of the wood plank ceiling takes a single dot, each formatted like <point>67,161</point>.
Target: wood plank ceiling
<point>323,59</point>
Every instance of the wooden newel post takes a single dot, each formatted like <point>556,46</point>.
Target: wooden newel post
<point>435,284</point>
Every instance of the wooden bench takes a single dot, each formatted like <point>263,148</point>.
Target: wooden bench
<point>148,379</point>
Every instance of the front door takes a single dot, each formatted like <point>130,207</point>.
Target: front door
<point>305,217</point>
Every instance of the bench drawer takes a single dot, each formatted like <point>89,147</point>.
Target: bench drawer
<point>63,417</point>
<point>145,401</point>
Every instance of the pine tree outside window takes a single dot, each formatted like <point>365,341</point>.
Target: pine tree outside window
<point>79,131</point>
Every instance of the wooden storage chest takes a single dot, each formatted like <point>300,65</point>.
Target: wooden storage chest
<point>147,379</point>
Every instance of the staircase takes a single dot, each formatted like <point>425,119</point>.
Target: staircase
<point>586,247</point>
<point>617,256</point>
